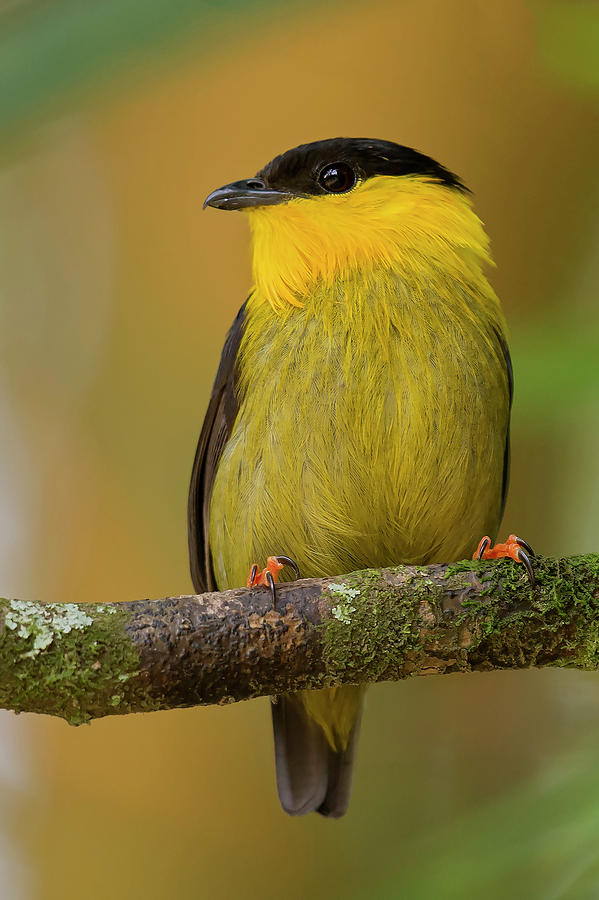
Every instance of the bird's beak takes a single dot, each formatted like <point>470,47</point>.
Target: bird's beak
<point>243,194</point>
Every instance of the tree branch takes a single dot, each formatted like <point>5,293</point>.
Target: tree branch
<point>86,660</point>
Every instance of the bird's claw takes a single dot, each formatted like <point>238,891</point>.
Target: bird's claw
<point>515,548</point>
<point>269,576</point>
<point>287,561</point>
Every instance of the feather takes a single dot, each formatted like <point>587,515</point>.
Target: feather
<point>217,427</point>
<point>312,776</point>
<point>339,776</point>
<point>301,758</point>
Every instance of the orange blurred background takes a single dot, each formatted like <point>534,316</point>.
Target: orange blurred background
<point>116,294</point>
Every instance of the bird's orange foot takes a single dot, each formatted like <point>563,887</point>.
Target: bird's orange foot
<point>269,576</point>
<point>514,548</point>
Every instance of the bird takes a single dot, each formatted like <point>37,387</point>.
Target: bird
<point>360,412</point>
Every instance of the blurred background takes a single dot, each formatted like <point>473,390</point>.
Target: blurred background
<point>116,119</point>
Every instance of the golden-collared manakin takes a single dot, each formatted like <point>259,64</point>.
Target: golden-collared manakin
<point>360,413</point>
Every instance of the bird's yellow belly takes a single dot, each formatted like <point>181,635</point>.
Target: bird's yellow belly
<point>362,443</point>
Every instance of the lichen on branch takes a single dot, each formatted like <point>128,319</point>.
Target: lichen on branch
<point>68,659</point>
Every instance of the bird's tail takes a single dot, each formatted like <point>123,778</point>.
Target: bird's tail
<point>316,733</point>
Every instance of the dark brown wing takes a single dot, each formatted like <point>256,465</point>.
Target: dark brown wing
<point>216,430</point>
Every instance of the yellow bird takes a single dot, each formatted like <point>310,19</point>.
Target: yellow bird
<point>360,413</point>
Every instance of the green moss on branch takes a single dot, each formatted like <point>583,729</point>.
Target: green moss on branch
<point>369,634</point>
<point>72,660</point>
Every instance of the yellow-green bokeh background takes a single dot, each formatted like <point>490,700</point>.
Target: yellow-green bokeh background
<point>115,294</point>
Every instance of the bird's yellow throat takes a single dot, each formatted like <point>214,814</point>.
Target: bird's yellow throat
<point>411,224</point>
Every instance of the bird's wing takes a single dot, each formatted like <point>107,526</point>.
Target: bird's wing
<point>510,381</point>
<point>216,430</point>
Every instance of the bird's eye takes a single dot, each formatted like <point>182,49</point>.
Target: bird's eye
<point>337,178</point>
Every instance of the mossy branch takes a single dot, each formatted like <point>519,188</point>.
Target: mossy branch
<point>82,661</point>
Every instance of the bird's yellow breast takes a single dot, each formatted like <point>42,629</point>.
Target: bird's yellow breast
<point>372,424</point>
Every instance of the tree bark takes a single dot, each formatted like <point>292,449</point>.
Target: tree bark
<point>81,661</point>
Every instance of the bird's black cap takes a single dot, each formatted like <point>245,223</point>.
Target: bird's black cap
<point>298,169</point>
<point>331,166</point>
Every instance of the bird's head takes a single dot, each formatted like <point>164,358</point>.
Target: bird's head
<point>326,207</point>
